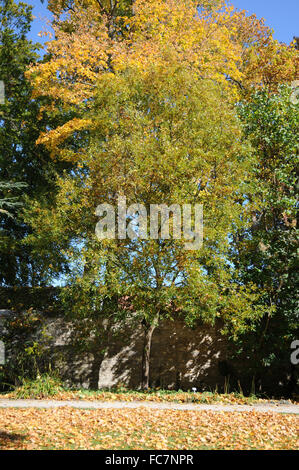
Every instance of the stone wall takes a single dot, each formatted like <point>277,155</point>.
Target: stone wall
<point>181,357</point>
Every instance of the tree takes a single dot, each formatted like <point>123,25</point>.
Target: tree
<point>9,203</point>
<point>266,254</point>
<point>20,158</point>
<point>242,47</point>
<point>160,136</point>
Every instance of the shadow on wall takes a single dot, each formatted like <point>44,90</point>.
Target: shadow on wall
<point>181,357</point>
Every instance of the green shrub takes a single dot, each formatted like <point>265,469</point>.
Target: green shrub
<point>27,348</point>
<point>44,386</point>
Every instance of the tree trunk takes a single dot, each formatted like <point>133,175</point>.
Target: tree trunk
<point>148,333</point>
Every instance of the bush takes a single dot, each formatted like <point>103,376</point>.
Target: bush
<point>44,386</point>
<point>27,348</point>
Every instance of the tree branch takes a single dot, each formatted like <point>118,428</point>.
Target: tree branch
<point>102,7</point>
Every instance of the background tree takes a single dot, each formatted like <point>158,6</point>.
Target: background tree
<point>266,254</point>
<point>20,158</point>
<point>9,203</point>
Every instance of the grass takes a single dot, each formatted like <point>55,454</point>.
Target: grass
<point>44,386</point>
<point>126,429</point>
<point>48,386</point>
<point>51,389</point>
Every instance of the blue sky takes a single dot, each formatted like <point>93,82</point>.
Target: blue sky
<point>282,16</point>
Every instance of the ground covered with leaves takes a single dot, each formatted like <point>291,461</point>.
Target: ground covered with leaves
<point>141,428</point>
<point>166,396</point>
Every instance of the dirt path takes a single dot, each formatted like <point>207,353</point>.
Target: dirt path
<point>271,408</point>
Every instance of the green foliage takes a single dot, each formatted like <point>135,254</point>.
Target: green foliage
<point>43,299</point>
<point>44,386</point>
<point>9,203</point>
<point>21,160</point>
<point>159,137</point>
<point>267,253</point>
<point>146,166</point>
<point>26,348</point>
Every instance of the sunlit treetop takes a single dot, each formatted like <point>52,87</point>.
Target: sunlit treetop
<point>212,41</point>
